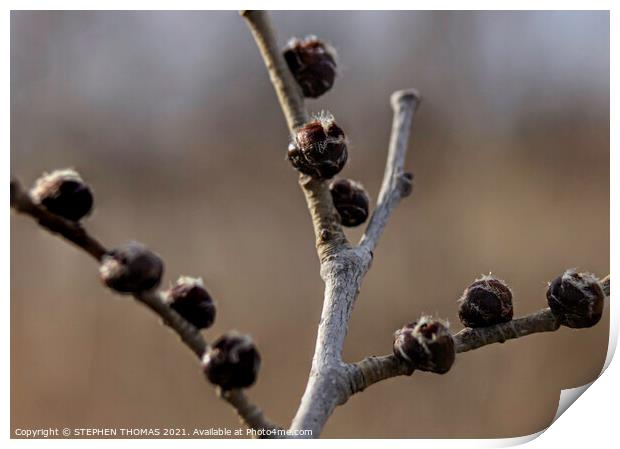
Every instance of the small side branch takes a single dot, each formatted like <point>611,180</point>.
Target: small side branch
<point>192,338</point>
<point>377,368</point>
<point>396,183</point>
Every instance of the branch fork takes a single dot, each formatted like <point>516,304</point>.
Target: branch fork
<point>343,266</point>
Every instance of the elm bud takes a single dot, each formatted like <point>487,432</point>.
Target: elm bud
<point>232,362</point>
<point>576,299</point>
<point>319,148</point>
<point>350,200</point>
<point>485,302</point>
<point>131,268</point>
<point>64,193</point>
<point>312,63</point>
<point>190,299</point>
<point>426,344</point>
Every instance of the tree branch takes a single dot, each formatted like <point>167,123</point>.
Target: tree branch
<point>342,267</point>
<point>396,183</point>
<point>331,381</point>
<point>74,232</point>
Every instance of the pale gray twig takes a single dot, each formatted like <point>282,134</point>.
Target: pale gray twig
<point>396,183</point>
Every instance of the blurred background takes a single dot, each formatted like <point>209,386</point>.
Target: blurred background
<point>171,118</point>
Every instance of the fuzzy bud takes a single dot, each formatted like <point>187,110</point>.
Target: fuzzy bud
<point>312,63</point>
<point>131,268</point>
<point>350,200</point>
<point>576,299</point>
<point>486,302</point>
<point>190,299</point>
<point>426,344</point>
<point>319,148</point>
<point>232,362</point>
<point>64,193</point>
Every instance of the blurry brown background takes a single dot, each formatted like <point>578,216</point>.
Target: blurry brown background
<point>171,118</point>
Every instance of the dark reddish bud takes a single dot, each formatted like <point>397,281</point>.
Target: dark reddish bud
<point>319,148</point>
<point>64,193</point>
<point>190,299</point>
<point>486,302</point>
<point>576,299</point>
<point>312,63</point>
<point>426,344</point>
<point>232,362</point>
<point>131,268</point>
<point>350,200</point>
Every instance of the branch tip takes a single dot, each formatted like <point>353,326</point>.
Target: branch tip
<point>406,96</point>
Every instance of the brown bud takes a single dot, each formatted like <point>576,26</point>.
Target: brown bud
<point>350,200</point>
<point>64,193</point>
<point>576,299</point>
<point>232,362</point>
<point>319,148</point>
<point>131,268</point>
<point>312,63</point>
<point>190,299</point>
<point>426,344</point>
<point>486,302</point>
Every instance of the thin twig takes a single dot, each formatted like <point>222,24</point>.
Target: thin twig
<point>190,336</point>
<point>542,321</point>
<point>249,414</point>
<point>329,236</point>
<point>378,368</point>
<point>153,299</point>
<point>396,183</point>
<point>288,91</point>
